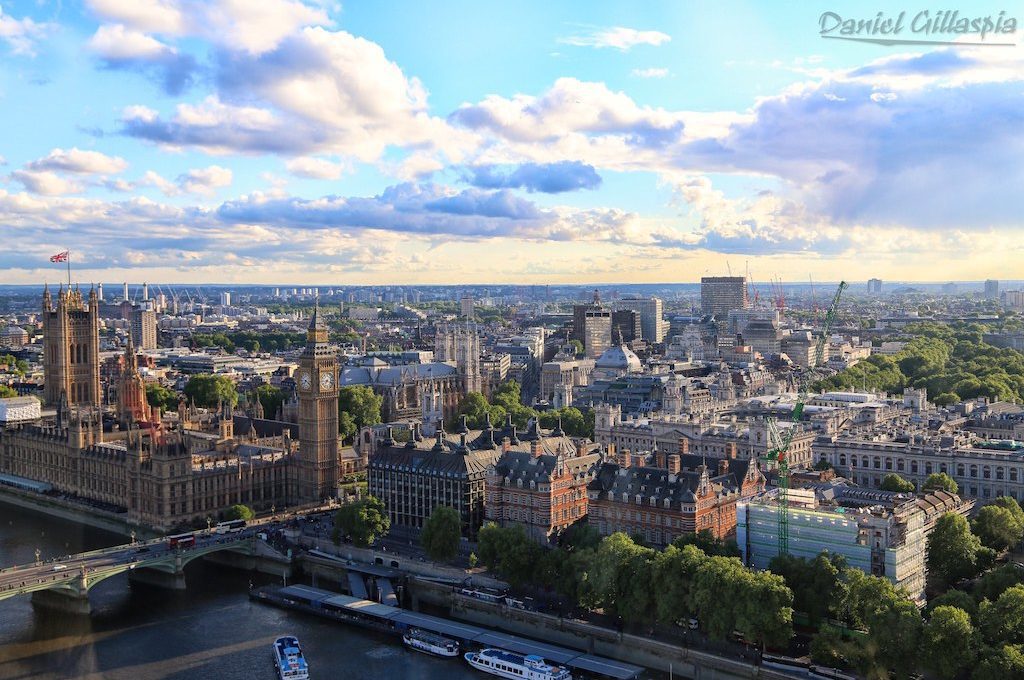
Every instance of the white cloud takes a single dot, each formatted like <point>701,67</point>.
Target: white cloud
<point>154,179</point>
<point>315,168</point>
<point>650,72</point>
<point>21,34</point>
<point>46,183</point>
<point>158,16</point>
<point>77,161</point>
<point>252,27</point>
<point>618,37</point>
<point>205,181</point>
<point>115,42</point>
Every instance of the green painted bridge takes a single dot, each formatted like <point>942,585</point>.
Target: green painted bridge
<point>65,583</point>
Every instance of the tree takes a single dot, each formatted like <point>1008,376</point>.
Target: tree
<point>893,482</point>
<point>816,584</point>
<point>675,569</point>
<point>6,392</point>
<point>473,559</point>
<point>997,527</point>
<point>442,533</point>
<point>271,399</point>
<point>952,550</point>
<point>577,347</point>
<point>1012,505</point>
<point>954,598</point>
<point>239,511</point>
<point>940,481</point>
<point>947,642</point>
<point>893,623</point>
<point>1002,621</point>
<point>209,390</point>
<point>1001,663</point>
<point>475,407</point>
<point>823,465</point>
<point>364,521</point>
<point>158,395</point>
<point>362,406</point>
<point>994,583</point>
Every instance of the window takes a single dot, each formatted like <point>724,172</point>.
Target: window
<point>974,473</point>
<point>913,467</point>
<point>1013,474</point>
<point>960,470</point>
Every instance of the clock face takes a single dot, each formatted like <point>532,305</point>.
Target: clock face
<point>305,381</point>
<point>326,380</point>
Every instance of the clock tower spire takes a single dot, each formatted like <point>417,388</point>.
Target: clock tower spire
<point>317,464</point>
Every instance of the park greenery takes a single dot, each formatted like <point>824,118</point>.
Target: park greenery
<point>358,407</point>
<point>209,390</point>
<point>863,622</point>
<point>952,363</point>
<point>250,341</point>
<point>442,533</point>
<point>363,522</point>
<point>507,400</point>
<point>6,392</point>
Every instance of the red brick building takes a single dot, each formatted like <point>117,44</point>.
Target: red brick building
<point>663,503</point>
<point>541,485</point>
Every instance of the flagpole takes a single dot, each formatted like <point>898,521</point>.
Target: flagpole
<point>69,270</point>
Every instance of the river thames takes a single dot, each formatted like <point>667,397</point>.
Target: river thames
<point>211,630</point>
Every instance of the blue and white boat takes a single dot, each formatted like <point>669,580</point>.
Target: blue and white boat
<point>506,664</point>
<point>291,665</point>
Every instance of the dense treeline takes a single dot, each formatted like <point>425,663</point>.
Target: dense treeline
<point>864,622</point>
<point>952,363</point>
<point>250,341</point>
<point>506,400</point>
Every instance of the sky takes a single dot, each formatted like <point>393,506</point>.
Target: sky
<point>402,142</point>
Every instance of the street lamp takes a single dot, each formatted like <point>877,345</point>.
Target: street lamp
<point>133,536</point>
<point>38,554</point>
<point>209,522</point>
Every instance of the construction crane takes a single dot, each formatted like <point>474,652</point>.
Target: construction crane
<point>778,442</point>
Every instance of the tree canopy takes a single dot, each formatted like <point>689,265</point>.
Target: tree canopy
<point>441,534</point>
<point>952,549</point>
<point>158,395</point>
<point>364,521</point>
<point>940,481</point>
<point>947,642</point>
<point>893,482</point>
<point>271,398</point>
<point>239,511</point>
<point>209,390</point>
<point>358,407</point>
<point>997,527</point>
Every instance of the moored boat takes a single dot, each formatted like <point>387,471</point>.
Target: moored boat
<point>430,643</point>
<point>507,664</point>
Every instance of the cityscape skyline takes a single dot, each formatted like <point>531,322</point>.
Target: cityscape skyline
<point>314,142</point>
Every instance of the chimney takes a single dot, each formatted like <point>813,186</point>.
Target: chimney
<point>536,448</point>
<point>730,450</point>
<point>625,458</point>
<point>723,466</point>
<point>581,448</point>
<point>660,459</point>
<point>674,464</point>
<point>684,446</point>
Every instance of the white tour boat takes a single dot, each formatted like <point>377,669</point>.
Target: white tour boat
<point>430,643</point>
<point>506,664</point>
<point>291,665</point>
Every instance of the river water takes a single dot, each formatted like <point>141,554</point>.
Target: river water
<point>212,630</point>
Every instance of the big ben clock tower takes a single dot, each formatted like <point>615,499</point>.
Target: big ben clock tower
<point>318,416</point>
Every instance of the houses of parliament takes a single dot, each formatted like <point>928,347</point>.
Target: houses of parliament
<point>166,471</point>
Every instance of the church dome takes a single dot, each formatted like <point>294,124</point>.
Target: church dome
<point>619,358</point>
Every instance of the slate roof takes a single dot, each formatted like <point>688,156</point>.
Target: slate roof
<point>394,375</point>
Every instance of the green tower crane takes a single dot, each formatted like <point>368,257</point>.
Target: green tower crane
<point>779,442</point>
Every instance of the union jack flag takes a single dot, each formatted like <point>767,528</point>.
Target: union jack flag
<point>60,257</point>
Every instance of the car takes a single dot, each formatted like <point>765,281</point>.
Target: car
<point>60,567</point>
<point>143,549</point>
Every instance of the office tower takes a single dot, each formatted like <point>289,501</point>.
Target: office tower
<point>71,342</point>
<point>597,332</point>
<point>652,323</point>
<point>466,306</point>
<point>225,299</point>
<point>143,327</point>
<point>124,295</point>
<point>874,286</point>
<point>992,289</point>
<point>626,326</point>
<point>99,292</point>
<point>578,314</point>
<point>145,291</point>
<point>719,294</point>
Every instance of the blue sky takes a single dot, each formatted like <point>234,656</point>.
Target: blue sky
<point>447,142</point>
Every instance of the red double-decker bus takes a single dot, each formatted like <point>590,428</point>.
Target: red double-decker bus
<point>181,540</point>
